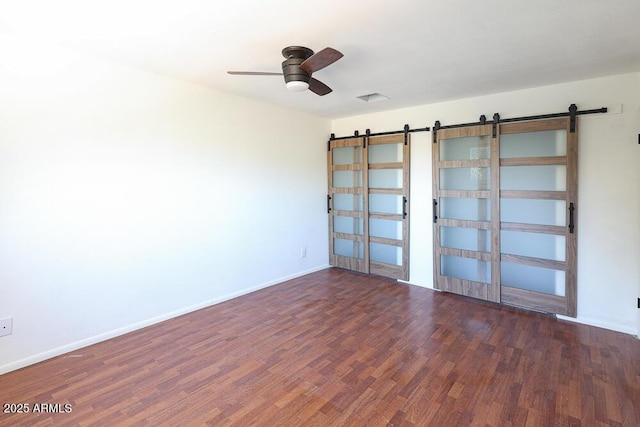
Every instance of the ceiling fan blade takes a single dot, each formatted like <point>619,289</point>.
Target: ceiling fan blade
<point>253,73</point>
<point>319,88</point>
<point>319,60</point>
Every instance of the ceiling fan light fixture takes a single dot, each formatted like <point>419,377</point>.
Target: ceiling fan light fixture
<point>297,85</point>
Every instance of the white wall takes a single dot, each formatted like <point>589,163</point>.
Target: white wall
<point>127,198</point>
<point>609,178</point>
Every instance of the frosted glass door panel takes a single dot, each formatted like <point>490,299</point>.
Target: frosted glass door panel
<point>347,202</point>
<point>465,268</point>
<point>546,246</point>
<point>347,179</point>
<point>537,279</point>
<point>386,228</point>
<point>347,155</point>
<point>385,178</point>
<point>347,224</point>
<point>533,211</point>
<point>468,148</point>
<point>464,179</point>
<point>465,208</point>
<point>544,178</point>
<point>348,248</point>
<point>386,254</point>
<point>385,203</point>
<point>534,144</point>
<point>385,153</point>
<point>470,239</point>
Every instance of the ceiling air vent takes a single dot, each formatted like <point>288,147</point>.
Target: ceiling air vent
<point>373,97</point>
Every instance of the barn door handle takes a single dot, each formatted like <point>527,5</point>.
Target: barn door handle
<point>328,203</point>
<point>404,207</point>
<point>435,211</point>
<point>571,224</point>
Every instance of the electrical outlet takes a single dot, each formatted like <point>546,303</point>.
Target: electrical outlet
<point>6,326</point>
<point>303,252</point>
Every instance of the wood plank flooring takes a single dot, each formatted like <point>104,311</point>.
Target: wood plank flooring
<point>336,348</point>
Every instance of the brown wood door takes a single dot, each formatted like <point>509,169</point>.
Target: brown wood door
<point>388,205</point>
<point>538,215</point>
<point>505,213</point>
<point>465,225</point>
<point>348,204</point>
<point>369,204</point>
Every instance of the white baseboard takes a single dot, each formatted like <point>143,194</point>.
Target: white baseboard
<point>144,323</point>
<point>420,285</point>
<point>601,324</point>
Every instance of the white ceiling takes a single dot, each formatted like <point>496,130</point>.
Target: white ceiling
<point>413,51</point>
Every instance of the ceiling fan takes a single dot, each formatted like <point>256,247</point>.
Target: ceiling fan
<point>298,66</point>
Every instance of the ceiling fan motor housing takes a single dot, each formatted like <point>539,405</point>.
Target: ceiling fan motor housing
<point>295,55</point>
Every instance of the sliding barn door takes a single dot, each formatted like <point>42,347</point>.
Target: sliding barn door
<point>368,204</point>
<point>465,223</point>
<point>348,205</point>
<point>538,202</point>
<point>388,198</point>
<point>504,209</point>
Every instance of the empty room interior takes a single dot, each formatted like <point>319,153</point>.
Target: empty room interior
<point>375,213</point>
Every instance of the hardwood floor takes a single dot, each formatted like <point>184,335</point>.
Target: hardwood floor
<point>336,348</point>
